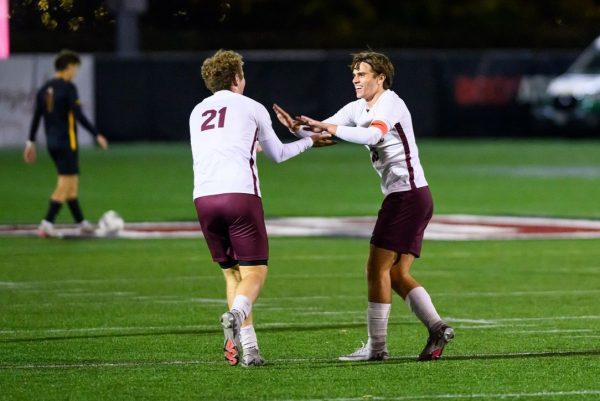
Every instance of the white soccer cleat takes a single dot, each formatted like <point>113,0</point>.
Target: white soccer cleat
<point>46,230</point>
<point>86,228</point>
<point>252,358</point>
<point>365,353</point>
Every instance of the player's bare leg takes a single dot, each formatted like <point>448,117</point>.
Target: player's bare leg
<point>244,284</point>
<point>419,302</point>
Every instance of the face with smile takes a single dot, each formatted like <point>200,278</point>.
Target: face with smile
<point>367,84</point>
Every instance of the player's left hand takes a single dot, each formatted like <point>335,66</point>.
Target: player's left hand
<point>285,119</point>
<point>102,141</point>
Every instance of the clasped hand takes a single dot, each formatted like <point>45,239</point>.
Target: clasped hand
<point>322,136</point>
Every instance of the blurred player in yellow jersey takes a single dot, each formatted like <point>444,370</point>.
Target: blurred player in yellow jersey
<point>58,103</point>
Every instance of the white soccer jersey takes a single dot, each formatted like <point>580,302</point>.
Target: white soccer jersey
<point>395,157</point>
<point>224,129</point>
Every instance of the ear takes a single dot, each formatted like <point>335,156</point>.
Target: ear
<point>237,80</point>
<point>381,79</point>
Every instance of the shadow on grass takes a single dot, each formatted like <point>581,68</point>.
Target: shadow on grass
<point>327,363</point>
<point>283,364</point>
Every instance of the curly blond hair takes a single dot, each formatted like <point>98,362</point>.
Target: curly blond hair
<point>219,71</point>
<point>380,64</point>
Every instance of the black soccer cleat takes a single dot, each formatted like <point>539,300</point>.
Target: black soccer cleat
<point>439,336</point>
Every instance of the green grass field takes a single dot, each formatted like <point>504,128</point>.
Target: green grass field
<point>154,182</point>
<point>138,319</point>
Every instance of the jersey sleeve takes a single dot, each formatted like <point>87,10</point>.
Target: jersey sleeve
<point>272,147</point>
<point>348,131</point>
<point>37,115</point>
<point>75,104</point>
<point>360,135</point>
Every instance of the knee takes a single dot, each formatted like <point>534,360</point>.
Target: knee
<point>401,275</point>
<point>375,273</point>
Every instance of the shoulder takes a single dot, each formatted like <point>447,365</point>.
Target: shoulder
<point>390,102</point>
<point>252,106</point>
<point>355,106</point>
<point>389,96</point>
<point>249,102</point>
<point>68,86</point>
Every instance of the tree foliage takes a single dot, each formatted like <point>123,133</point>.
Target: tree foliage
<point>209,24</point>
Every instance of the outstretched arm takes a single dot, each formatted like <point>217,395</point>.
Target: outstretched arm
<point>279,152</point>
<point>360,135</point>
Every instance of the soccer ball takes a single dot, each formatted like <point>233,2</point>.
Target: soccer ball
<point>111,223</point>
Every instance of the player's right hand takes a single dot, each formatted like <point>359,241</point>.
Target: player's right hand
<point>102,141</point>
<point>321,140</point>
<point>29,154</point>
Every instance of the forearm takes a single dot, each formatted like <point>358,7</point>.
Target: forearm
<point>82,119</point>
<point>359,135</point>
<point>35,123</point>
<point>302,132</point>
<point>279,152</point>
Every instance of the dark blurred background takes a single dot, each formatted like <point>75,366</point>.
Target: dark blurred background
<point>181,25</point>
<point>466,68</point>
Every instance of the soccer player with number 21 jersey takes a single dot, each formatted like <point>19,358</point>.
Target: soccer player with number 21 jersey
<point>225,129</point>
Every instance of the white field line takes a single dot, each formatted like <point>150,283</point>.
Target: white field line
<point>485,396</point>
<point>584,336</point>
<point>166,329</point>
<point>360,274</point>
<point>521,319</point>
<point>274,325</point>
<point>550,331</point>
<point>515,293</point>
<point>112,297</point>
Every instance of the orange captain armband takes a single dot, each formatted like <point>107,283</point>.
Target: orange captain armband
<point>381,125</point>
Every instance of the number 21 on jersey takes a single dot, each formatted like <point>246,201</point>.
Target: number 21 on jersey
<point>210,116</point>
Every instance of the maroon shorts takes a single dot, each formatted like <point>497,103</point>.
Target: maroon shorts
<point>402,220</point>
<point>234,228</point>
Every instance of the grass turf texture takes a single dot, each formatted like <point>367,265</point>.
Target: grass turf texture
<point>154,182</point>
<point>124,320</point>
<point>139,319</point>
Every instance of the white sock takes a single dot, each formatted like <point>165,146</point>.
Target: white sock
<point>377,322</point>
<point>419,302</point>
<point>242,304</point>
<point>248,337</point>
